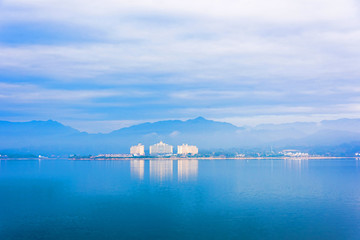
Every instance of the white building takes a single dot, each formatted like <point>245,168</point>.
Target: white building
<point>187,149</point>
<point>113,155</point>
<point>137,150</point>
<point>293,153</point>
<point>161,148</point>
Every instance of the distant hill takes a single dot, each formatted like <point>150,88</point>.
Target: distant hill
<point>197,125</point>
<point>35,128</point>
<point>51,137</point>
<point>36,136</point>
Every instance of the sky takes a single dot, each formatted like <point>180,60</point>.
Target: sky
<point>101,65</point>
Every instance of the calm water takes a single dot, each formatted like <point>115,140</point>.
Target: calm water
<point>183,199</point>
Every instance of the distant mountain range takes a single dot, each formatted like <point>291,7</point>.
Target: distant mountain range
<point>336,137</point>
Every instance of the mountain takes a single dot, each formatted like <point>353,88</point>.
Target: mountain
<point>36,136</point>
<point>38,128</point>
<point>197,125</point>
<point>51,137</point>
<point>200,131</point>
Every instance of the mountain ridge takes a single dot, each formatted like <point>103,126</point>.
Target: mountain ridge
<point>168,126</point>
<point>53,137</point>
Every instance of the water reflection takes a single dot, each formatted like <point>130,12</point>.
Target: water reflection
<point>161,170</point>
<point>137,169</point>
<point>187,170</point>
<point>232,199</point>
<point>296,163</point>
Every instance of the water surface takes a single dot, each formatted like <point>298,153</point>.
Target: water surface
<point>180,199</point>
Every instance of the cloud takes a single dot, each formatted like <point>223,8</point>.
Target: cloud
<point>101,126</point>
<point>271,113</point>
<point>27,93</point>
<point>202,40</point>
<point>207,60</point>
<point>174,134</point>
<point>288,118</point>
<point>109,60</point>
<point>274,10</point>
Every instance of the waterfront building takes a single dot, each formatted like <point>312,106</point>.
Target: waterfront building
<point>113,155</point>
<point>137,150</point>
<point>293,153</point>
<point>187,149</point>
<point>161,148</point>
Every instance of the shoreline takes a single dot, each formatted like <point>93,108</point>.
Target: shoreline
<point>188,158</point>
<point>212,158</point>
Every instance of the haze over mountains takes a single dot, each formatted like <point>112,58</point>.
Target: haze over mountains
<point>338,137</point>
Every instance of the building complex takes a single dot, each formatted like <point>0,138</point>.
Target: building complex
<point>137,150</point>
<point>186,149</point>
<point>160,148</point>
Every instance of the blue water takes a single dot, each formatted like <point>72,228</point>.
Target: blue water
<point>180,199</point>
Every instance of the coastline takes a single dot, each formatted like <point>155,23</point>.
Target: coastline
<point>180,158</point>
<point>212,158</point>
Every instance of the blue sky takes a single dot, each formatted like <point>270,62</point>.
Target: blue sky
<point>101,65</point>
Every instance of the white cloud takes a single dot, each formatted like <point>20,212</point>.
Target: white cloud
<point>274,10</point>
<point>214,52</point>
<point>215,40</point>
<point>174,134</point>
<point>26,93</point>
<point>100,126</point>
<point>288,118</point>
<point>217,59</point>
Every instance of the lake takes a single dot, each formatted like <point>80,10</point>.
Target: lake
<point>180,199</point>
